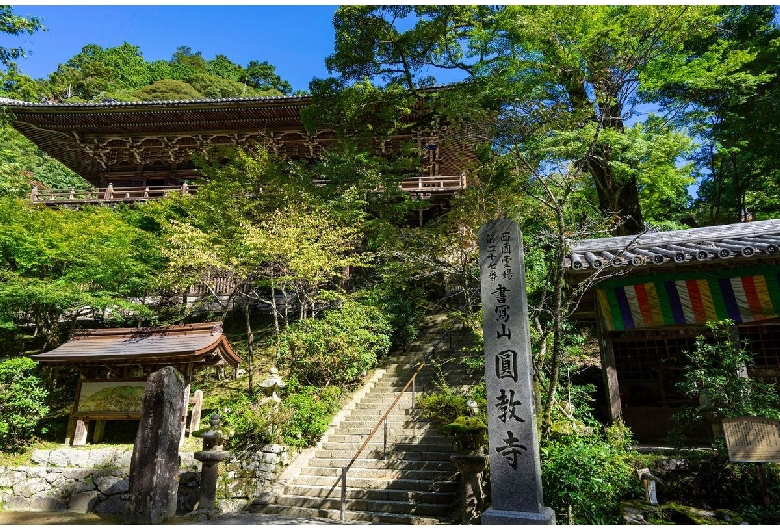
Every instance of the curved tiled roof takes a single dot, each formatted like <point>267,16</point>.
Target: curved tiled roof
<point>710,243</point>
<point>188,343</point>
<point>155,103</point>
<point>105,140</point>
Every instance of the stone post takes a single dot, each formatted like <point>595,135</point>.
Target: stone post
<point>210,457</point>
<point>473,496</point>
<point>197,407</point>
<point>515,469</point>
<point>154,466</point>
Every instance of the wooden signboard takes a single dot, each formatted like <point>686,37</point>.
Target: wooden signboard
<point>110,397</point>
<point>757,440</point>
<point>751,439</point>
<point>101,400</point>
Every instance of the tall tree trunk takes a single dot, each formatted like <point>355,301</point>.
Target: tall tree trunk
<point>616,195</point>
<point>250,342</point>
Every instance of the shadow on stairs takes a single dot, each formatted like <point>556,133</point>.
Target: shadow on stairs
<point>407,480</point>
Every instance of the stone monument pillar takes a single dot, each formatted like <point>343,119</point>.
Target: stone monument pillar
<point>210,457</point>
<point>154,466</point>
<point>515,470</point>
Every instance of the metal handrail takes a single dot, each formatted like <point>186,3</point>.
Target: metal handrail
<point>383,420</point>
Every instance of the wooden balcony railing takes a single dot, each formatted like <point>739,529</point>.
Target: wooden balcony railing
<point>423,187</point>
<point>110,194</point>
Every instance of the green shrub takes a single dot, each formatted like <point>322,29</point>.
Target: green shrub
<point>253,421</point>
<point>442,407</point>
<point>337,349</point>
<point>711,378</point>
<point>590,474</point>
<point>311,411</point>
<point>22,402</point>
<point>402,307</point>
<point>299,420</point>
<point>711,481</point>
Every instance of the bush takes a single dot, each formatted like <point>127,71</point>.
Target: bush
<point>402,307</point>
<point>592,474</point>
<point>337,349</point>
<point>711,378</point>
<point>299,420</point>
<point>711,481</point>
<point>22,402</point>
<point>311,410</point>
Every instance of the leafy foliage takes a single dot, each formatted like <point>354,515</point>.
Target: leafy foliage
<point>337,349</point>
<point>57,265</point>
<point>13,24</point>
<point>589,473</point>
<point>716,375</point>
<point>24,165</point>
<point>22,402</point>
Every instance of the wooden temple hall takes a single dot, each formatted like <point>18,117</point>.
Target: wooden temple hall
<point>652,297</point>
<point>114,365</point>
<point>138,151</point>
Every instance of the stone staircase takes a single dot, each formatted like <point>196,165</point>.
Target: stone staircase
<point>414,482</point>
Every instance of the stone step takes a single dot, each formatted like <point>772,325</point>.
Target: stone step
<point>378,473</point>
<point>352,516</point>
<point>429,497</point>
<point>377,483</point>
<point>378,444</point>
<point>379,454</point>
<point>365,428</point>
<point>366,505</point>
<point>396,434</point>
<point>373,463</point>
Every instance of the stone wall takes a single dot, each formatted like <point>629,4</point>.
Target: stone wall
<point>246,475</point>
<point>96,480</point>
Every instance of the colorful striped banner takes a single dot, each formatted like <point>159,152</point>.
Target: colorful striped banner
<point>742,295</point>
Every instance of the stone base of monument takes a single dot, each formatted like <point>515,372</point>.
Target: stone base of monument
<point>491,516</point>
<point>206,514</point>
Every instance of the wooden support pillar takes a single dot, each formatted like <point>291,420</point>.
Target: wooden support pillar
<point>71,430</point>
<point>100,427</point>
<point>187,379</point>
<point>609,371</point>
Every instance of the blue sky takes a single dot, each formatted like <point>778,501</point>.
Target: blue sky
<point>294,38</point>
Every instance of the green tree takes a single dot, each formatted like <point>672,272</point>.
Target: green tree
<point>732,109</point>
<point>257,223</point>
<point>717,377</point>
<point>59,265</point>
<point>24,165</point>
<point>97,72</point>
<point>263,76</point>
<point>584,63</point>
<point>16,85</point>
<point>22,398</point>
<point>165,90</point>
<point>224,68</point>
<point>15,25</point>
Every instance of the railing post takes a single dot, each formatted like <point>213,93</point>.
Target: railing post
<point>343,493</point>
<point>34,195</point>
<point>385,439</point>
<point>414,391</point>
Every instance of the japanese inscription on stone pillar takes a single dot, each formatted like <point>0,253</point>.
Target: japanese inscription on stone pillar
<point>514,449</point>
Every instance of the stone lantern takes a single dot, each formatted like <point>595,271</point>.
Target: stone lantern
<point>210,457</point>
<point>271,384</point>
